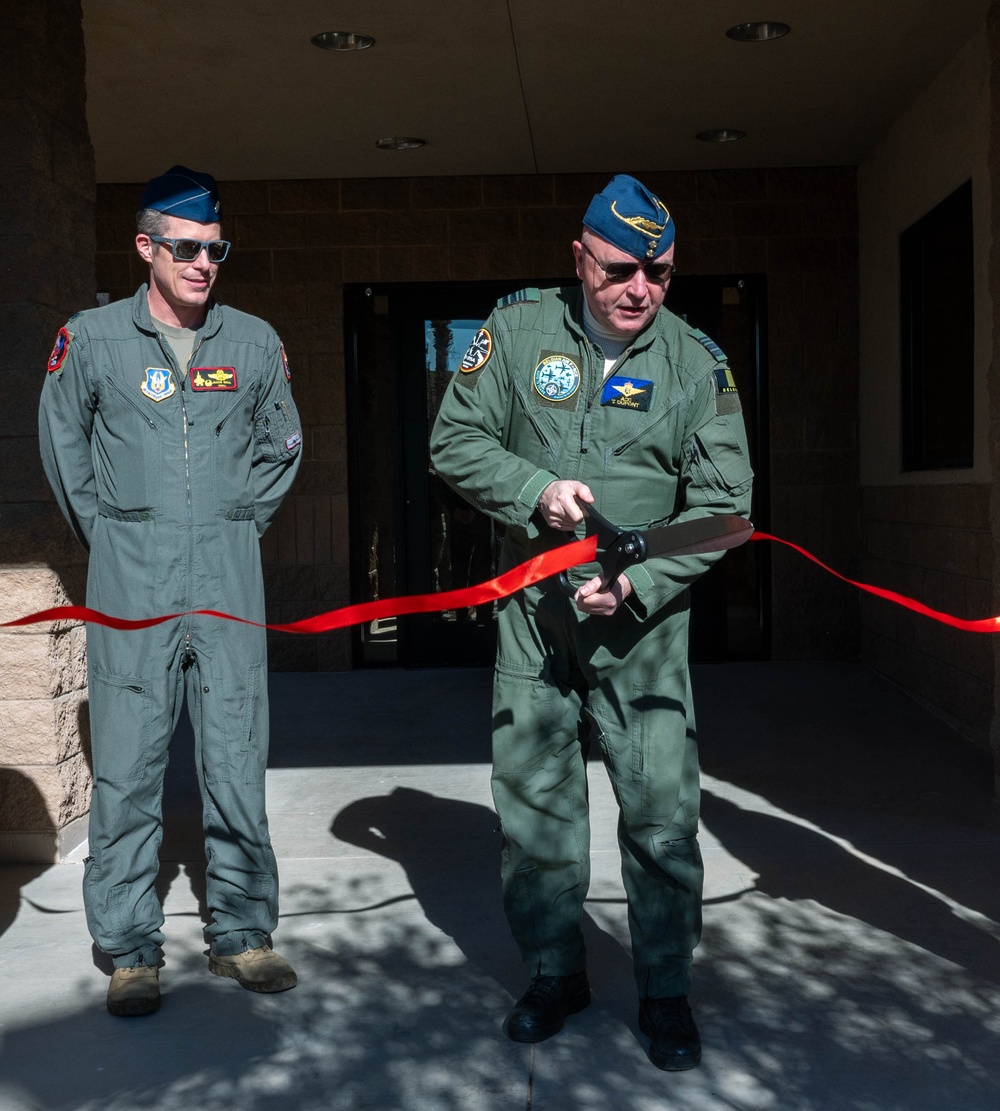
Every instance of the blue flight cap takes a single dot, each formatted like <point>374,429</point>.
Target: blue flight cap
<point>631,218</point>
<point>184,193</point>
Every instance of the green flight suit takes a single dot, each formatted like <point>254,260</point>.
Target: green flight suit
<point>660,439</point>
<point>168,477</point>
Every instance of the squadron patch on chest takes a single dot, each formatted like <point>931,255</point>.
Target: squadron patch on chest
<point>159,383</point>
<point>556,378</point>
<point>213,378</point>
<point>627,393</point>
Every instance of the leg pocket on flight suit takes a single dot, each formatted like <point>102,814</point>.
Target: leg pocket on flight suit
<point>121,708</point>
<point>252,759</point>
<point>664,770</point>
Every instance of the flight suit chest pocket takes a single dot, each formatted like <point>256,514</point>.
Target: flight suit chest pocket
<point>128,451</point>
<point>232,444</point>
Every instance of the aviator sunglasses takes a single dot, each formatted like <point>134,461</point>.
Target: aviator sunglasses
<point>187,250</point>
<point>620,272</point>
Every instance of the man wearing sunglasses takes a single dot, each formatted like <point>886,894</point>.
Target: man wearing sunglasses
<point>169,436</point>
<point>598,394</point>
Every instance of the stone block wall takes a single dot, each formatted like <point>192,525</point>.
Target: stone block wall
<point>297,243</point>
<point>47,243</point>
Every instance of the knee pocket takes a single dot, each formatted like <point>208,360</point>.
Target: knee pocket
<point>235,730</point>
<point>122,709</point>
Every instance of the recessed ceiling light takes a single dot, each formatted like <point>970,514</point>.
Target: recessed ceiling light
<point>763,31</point>
<point>721,135</point>
<point>342,40</point>
<point>400,143</point>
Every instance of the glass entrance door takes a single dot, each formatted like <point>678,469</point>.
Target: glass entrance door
<point>408,342</point>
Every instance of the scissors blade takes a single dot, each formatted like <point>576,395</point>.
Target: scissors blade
<point>703,534</point>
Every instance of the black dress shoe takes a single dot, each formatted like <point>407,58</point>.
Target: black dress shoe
<point>543,1008</point>
<point>674,1043</point>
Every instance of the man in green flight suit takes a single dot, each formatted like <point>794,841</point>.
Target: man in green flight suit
<point>169,436</point>
<point>598,394</point>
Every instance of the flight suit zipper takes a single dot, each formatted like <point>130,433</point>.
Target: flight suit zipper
<point>188,653</point>
<point>187,491</point>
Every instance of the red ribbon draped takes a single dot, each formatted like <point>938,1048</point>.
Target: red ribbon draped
<point>983,625</point>
<point>525,574</point>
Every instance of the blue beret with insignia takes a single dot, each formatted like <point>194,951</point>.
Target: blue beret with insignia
<point>184,193</point>
<point>631,218</point>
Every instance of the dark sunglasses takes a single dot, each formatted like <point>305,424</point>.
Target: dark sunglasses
<point>187,250</point>
<point>620,272</point>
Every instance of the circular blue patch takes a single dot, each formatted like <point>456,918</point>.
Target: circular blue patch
<point>557,377</point>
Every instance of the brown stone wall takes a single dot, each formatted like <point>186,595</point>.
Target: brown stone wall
<point>47,244</point>
<point>932,543</point>
<point>299,242</point>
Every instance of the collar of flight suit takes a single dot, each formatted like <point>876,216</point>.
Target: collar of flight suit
<point>144,321</point>
<point>573,319</point>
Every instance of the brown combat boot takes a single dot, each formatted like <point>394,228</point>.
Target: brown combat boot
<point>258,969</point>
<point>134,991</point>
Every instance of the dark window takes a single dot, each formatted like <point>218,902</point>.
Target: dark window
<point>937,322</point>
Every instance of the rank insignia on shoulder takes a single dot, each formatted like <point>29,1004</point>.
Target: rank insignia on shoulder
<point>159,383</point>
<point>213,378</point>
<point>58,352</point>
<point>284,362</point>
<point>557,378</point>
<point>627,393</point>
<point>479,351</point>
<point>530,294</point>
<point>710,345</point>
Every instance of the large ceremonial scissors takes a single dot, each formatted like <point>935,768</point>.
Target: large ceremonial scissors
<point>618,549</point>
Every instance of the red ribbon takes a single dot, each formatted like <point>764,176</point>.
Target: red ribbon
<point>525,574</point>
<point>983,625</point>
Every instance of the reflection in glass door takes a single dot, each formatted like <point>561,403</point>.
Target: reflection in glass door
<point>412,533</point>
<point>464,542</point>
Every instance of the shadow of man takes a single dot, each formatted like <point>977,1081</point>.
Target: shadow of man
<point>450,852</point>
<point>795,862</point>
<point>23,812</point>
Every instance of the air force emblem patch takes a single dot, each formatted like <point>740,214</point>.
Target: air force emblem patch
<point>557,378</point>
<point>159,383</point>
<point>627,393</point>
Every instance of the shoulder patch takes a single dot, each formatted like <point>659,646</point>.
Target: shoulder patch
<point>479,351</point>
<point>58,356</point>
<point>709,344</point>
<point>529,294</point>
<point>727,398</point>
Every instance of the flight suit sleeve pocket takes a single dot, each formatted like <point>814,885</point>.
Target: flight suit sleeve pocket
<point>278,433</point>
<point>719,466</point>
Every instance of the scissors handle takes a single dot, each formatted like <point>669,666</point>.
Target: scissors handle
<point>619,549</point>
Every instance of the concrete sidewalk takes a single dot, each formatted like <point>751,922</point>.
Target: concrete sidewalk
<point>851,955</point>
